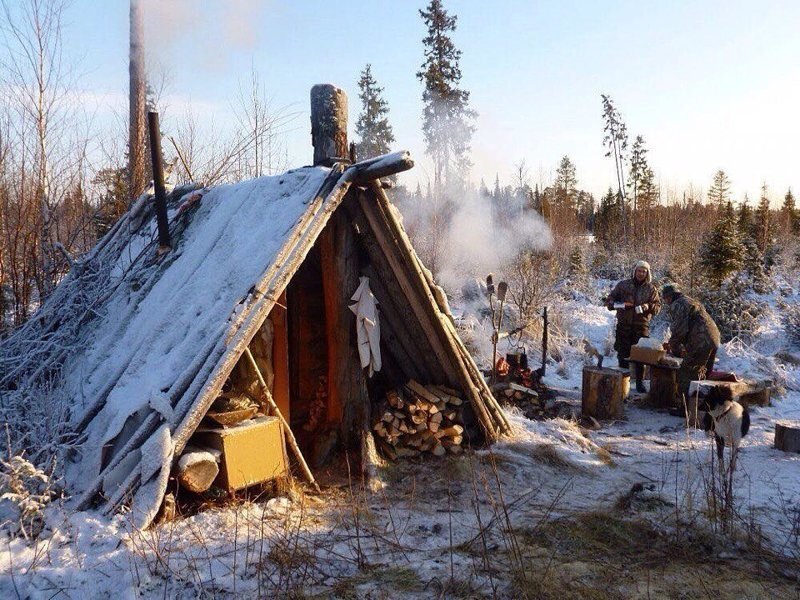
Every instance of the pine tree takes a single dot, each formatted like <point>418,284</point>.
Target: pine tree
<point>566,185</point>
<point>577,268</point>
<point>745,218</point>
<point>722,253</point>
<point>446,118</point>
<point>373,126</point>
<point>607,226</point>
<point>638,169</point>
<point>719,192</point>
<point>615,139</point>
<point>789,215</point>
<point>762,225</point>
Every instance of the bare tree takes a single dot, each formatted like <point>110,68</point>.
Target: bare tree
<point>137,102</point>
<point>38,84</point>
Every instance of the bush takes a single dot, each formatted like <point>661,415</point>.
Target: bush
<point>24,492</point>
<point>735,313</point>
<point>791,322</point>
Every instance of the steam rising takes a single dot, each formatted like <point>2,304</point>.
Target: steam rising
<point>473,236</point>
<point>214,30</point>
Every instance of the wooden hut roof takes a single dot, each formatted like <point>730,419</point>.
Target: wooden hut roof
<point>158,334</point>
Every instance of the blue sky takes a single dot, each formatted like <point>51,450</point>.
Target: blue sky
<point>708,84</point>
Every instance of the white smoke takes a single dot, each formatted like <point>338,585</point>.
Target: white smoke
<point>477,236</point>
<point>213,30</point>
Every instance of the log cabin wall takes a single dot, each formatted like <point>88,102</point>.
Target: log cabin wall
<point>308,355</point>
<point>342,262</point>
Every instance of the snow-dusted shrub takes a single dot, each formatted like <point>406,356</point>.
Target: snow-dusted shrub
<point>25,490</point>
<point>733,310</point>
<point>790,315</point>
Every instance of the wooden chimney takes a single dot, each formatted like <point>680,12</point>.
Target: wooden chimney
<point>328,124</point>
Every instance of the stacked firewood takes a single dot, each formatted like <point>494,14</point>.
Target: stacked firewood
<point>420,419</point>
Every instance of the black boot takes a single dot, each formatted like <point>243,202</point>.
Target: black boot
<point>640,387</point>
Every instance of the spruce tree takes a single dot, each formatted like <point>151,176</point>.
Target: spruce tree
<point>566,184</point>
<point>719,192</point>
<point>789,216</point>
<point>373,126</point>
<point>638,170</point>
<point>577,268</point>
<point>722,253</point>
<point>745,218</point>
<point>762,224</point>
<point>446,117</point>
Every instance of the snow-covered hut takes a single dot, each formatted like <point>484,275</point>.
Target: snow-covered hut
<point>139,342</point>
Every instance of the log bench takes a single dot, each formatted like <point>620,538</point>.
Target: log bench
<point>747,393</point>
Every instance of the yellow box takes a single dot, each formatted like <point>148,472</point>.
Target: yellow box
<point>252,452</point>
<point>647,355</point>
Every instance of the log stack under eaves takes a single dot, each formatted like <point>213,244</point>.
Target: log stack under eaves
<point>420,420</point>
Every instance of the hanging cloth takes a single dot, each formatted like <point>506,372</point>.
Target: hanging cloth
<point>368,328</point>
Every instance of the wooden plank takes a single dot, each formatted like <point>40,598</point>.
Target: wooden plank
<point>417,303</point>
<point>410,348</point>
<point>482,399</point>
<point>280,356</point>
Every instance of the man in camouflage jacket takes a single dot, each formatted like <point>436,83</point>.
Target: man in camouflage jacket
<point>640,301</point>
<point>695,336</point>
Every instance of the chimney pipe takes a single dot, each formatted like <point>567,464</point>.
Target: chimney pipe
<point>158,181</point>
<point>328,124</point>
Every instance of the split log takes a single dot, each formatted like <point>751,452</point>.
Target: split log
<point>787,436</point>
<point>198,468</point>
<point>603,392</point>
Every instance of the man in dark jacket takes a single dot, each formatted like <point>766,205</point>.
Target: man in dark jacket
<point>695,336</point>
<point>636,302</point>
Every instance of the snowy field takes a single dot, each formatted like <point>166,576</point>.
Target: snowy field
<point>524,518</point>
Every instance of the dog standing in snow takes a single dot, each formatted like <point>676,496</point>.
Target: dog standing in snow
<point>728,420</point>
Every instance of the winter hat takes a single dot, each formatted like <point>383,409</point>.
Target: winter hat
<point>670,289</point>
<point>644,265</point>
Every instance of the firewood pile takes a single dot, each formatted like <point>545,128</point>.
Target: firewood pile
<point>420,419</point>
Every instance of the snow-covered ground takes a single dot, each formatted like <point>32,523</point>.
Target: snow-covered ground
<point>466,526</point>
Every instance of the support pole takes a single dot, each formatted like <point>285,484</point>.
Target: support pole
<point>158,181</point>
<point>287,431</point>
<point>544,342</point>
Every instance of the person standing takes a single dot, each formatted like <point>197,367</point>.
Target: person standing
<point>636,301</point>
<point>695,337</point>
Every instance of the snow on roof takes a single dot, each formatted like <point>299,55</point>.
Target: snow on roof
<point>164,314</point>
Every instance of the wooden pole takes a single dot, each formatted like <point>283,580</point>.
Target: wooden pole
<point>287,431</point>
<point>544,343</point>
<point>158,180</point>
<point>328,124</point>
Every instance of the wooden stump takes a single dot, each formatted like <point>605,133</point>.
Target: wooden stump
<point>663,387</point>
<point>787,436</point>
<point>603,392</point>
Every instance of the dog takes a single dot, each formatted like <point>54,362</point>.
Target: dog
<point>727,420</point>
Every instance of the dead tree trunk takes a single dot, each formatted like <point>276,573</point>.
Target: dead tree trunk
<point>328,124</point>
<point>137,169</point>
